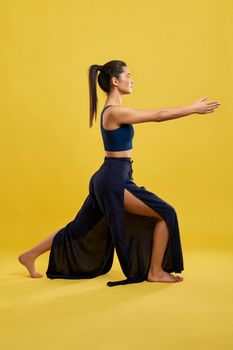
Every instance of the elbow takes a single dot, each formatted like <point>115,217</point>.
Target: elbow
<point>162,114</point>
<point>158,116</point>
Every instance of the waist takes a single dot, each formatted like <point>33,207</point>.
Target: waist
<point>117,158</point>
<point>120,164</point>
<point>126,153</point>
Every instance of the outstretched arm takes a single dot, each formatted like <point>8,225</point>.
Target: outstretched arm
<point>125,115</point>
<point>199,107</point>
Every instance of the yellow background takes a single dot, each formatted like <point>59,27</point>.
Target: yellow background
<point>177,52</point>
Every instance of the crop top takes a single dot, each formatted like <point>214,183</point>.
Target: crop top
<point>119,139</point>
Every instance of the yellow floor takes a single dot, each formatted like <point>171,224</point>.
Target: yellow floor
<point>87,314</point>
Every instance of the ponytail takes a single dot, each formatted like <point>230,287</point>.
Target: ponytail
<point>107,71</point>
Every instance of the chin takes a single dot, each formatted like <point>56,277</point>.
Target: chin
<point>128,91</point>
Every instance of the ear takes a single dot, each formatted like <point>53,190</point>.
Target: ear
<point>115,81</point>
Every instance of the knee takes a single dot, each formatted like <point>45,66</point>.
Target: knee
<point>171,210</point>
<point>91,186</point>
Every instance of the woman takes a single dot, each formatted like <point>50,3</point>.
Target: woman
<point>117,213</point>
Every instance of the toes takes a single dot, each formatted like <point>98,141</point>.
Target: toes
<point>179,279</point>
<point>36,275</point>
<point>173,276</point>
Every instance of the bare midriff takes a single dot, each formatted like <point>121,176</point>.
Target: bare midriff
<point>117,154</point>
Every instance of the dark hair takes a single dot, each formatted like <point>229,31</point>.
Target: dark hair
<point>107,71</point>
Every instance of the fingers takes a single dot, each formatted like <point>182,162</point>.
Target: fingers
<point>209,110</point>
<point>213,103</point>
<point>212,106</point>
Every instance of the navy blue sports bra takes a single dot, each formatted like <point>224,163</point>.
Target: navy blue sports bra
<point>119,139</point>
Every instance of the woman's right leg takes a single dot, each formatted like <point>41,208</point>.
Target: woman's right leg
<point>28,258</point>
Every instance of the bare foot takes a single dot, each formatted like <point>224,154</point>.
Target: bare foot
<point>27,260</point>
<point>163,276</point>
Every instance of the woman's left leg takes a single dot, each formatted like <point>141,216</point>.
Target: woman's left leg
<point>28,258</point>
<point>134,205</point>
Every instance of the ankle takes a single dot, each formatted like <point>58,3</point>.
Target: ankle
<point>30,254</point>
<point>155,270</point>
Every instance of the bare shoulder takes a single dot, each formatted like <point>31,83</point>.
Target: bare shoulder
<point>121,114</point>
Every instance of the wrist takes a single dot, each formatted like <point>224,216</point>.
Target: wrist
<point>191,109</point>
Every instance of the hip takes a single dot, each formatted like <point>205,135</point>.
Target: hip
<point>114,170</point>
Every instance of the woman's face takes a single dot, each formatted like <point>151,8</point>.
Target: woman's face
<point>124,83</point>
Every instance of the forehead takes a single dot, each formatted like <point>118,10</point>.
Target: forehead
<point>126,70</point>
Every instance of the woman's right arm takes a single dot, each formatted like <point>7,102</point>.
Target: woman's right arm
<point>126,115</point>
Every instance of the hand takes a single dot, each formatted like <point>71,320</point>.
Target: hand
<point>202,107</point>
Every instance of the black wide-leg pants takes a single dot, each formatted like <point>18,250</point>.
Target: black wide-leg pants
<point>84,248</point>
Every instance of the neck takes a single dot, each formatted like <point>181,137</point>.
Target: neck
<point>114,98</point>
